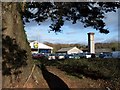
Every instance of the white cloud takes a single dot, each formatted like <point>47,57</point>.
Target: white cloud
<point>72,33</point>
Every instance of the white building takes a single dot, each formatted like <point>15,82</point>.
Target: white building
<point>70,50</point>
<point>37,47</point>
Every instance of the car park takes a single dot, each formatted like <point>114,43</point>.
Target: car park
<point>108,56</point>
<point>85,55</point>
<point>82,55</point>
<point>105,55</point>
<point>69,56</point>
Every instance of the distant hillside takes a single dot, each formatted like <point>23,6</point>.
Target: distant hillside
<point>112,45</point>
<point>59,46</point>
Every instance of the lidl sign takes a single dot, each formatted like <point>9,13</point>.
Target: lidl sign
<point>35,44</point>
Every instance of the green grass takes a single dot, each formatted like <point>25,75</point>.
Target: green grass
<point>106,69</point>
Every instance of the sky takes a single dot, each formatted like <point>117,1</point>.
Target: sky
<point>73,33</point>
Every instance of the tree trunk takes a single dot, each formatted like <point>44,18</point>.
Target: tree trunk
<point>17,62</point>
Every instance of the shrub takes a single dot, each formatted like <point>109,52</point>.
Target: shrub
<point>93,68</point>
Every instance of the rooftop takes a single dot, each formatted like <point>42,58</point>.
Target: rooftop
<point>64,49</point>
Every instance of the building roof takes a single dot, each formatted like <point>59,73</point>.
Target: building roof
<point>43,46</point>
<point>65,49</point>
<point>40,45</point>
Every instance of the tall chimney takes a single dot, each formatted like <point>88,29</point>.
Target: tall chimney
<point>91,46</point>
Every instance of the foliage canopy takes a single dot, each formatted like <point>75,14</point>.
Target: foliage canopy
<point>91,14</point>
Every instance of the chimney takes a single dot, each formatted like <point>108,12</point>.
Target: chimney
<point>91,46</point>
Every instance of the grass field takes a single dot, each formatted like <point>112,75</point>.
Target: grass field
<point>105,69</point>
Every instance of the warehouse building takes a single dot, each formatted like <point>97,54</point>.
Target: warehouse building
<point>37,47</point>
<point>70,50</point>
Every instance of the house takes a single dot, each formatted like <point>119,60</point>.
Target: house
<point>70,50</point>
<point>37,47</point>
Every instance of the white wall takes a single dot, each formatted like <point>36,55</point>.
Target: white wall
<point>74,50</point>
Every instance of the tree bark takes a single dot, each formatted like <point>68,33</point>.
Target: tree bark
<point>15,47</point>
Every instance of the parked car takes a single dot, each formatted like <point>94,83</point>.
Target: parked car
<point>37,56</point>
<point>101,55</point>
<point>82,55</point>
<point>76,56</point>
<point>85,55</point>
<point>60,56</point>
<point>108,56</point>
<point>105,55</point>
<point>69,56</point>
<point>116,54</point>
<point>88,55</point>
<point>51,57</point>
<point>97,55</point>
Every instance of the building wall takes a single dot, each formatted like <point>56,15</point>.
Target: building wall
<point>62,52</point>
<point>33,44</point>
<point>74,50</point>
<point>44,51</point>
<point>37,47</point>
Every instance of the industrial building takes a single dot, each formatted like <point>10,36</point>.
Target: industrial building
<point>37,47</point>
<point>70,50</point>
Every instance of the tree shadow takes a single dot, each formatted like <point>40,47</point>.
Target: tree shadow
<point>54,82</point>
<point>14,57</point>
